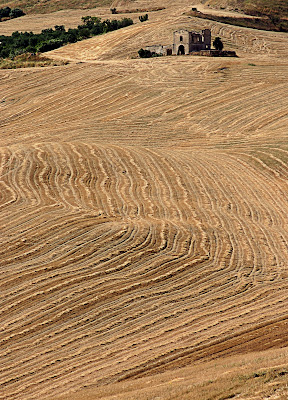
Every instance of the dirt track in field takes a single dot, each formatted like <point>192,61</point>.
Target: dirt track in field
<point>143,209</point>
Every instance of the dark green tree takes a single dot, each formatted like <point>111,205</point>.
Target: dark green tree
<point>5,12</point>
<point>16,13</point>
<point>144,53</point>
<point>218,43</point>
<point>143,18</point>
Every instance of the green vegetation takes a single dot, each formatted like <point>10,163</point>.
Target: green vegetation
<point>255,7</point>
<point>265,7</point>
<point>143,18</point>
<point>50,39</point>
<point>29,60</point>
<point>217,43</point>
<point>147,54</point>
<point>271,23</point>
<point>10,13</point>
<point>136,10</point>
<point>144,53</point>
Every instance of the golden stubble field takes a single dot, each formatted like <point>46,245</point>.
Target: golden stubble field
<point>144,218</point>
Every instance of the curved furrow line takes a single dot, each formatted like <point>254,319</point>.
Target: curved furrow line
<point>153,191</point>
<point>256,190</point>
<point>7,194</point>
<point>108,265</point>
<point>70,197</point>
<point>47,268</point>
<point>249,119</point>
<point>26,180</point>
<point>62,282</point>
<point>119,184</point>
<point>91,180</point>
<point>168,195</point>
<point>250,234</point>
<point>262,220</point>
<point>59,275</point>
<point>96,178</point>
<point>52,103</point>
<point>137,173</point>
<point>98,174</point>
<point>219,99</point>
<point>39,247</point>
<point>10,179</point>
<point>277,164</point>
<point>178,190</point>
<point>105,185</point>
<point>160,96</point>
<point>263,229</point>
<point>266,173</point>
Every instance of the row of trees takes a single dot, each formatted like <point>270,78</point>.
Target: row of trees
<point>50,39</point>
<point>7,12</point>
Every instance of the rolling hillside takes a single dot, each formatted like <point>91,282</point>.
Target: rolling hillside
<point>48,6</point>
<point>144,218</point>
<point>276,7</point>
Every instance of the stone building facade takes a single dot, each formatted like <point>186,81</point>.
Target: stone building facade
<point>160,50</point>
<point>185,42</point>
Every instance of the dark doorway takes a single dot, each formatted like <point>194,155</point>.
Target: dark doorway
<point>181,50</point>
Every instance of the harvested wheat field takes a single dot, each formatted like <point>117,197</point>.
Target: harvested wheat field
<point>144,218</point>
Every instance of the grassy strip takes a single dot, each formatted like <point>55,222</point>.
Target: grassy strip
<point>136,10</point>
<point>264,7</point>
<point>41,7</point>
<point>273,23</point>
<point>29,60</point>
<point>10,13</point>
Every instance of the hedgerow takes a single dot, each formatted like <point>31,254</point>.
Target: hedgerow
<point>10,13</point>
<point>50,39</point>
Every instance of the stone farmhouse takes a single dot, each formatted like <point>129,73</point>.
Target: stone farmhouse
<point>184,42</point>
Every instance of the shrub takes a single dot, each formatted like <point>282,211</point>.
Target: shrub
<point>218,43</point>
<point>144,53</point>
<point>7,13</point>
<point>16,13</point>
<point>143,18</point>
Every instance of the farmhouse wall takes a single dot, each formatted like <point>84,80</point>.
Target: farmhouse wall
<point>184,42</point>
<point>159,49</point>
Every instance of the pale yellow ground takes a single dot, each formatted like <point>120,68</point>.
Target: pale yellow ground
<point>144,217</point>
<point>254,376</point>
